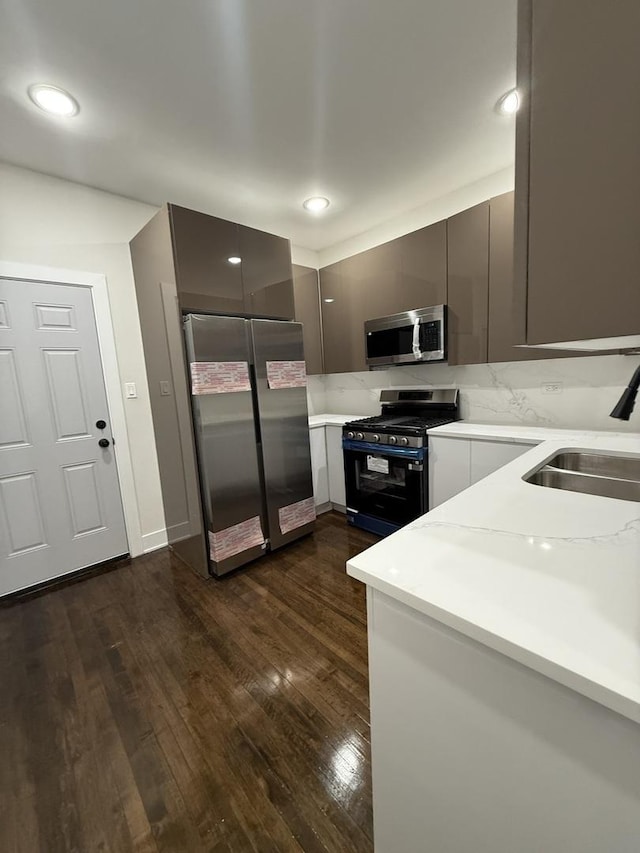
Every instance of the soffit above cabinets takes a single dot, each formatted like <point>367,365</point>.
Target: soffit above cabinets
<point>243,110</point>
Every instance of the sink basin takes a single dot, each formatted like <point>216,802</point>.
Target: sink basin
<point>598,464</point>
<point>591,474</point>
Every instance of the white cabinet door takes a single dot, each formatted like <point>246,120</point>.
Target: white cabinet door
<point>488,456</point>
<point>449,468</point>
<point>319,465</point>
<point>335,465</point>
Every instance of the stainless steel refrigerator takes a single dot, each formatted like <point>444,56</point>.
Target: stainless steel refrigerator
<point>249,401</point>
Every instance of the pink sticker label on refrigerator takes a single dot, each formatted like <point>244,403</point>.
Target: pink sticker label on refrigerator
<point>235,539</point>
<point>219,377</point>
<point>296,515</point>
<point>286,374</point>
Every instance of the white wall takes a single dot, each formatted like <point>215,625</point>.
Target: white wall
<point>506,393</point>
<point>434,211</point>
<point>316,397</point>
<point>55,223</point>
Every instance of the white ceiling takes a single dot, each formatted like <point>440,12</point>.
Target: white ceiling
<point>243,108</point>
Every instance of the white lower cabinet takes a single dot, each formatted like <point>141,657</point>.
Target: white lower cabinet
<point>319,470</point>
<point>488,456</point>
<point>449,468</point>
<point>475,752</point>
<point>457,463</point>
<point>335,466</point>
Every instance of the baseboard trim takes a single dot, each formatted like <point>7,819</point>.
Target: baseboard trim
<point>326,507</point>
<point>154,540</point>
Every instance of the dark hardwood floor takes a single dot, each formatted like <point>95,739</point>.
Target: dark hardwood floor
<point>146,709</point>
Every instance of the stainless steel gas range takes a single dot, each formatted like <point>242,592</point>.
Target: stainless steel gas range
<point>385,457</point>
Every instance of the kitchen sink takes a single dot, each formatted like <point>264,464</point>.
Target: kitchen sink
<point>591,474</point>
<point>598,464</point>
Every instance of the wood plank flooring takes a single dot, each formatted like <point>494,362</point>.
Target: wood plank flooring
<point>144,709</point>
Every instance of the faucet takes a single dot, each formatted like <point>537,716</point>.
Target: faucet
<point>625,404</point>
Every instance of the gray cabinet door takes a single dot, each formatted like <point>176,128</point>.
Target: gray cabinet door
<point>376,276</point>
<point>468,284</point>
<point>423,268</point>
<point>577,174</point>
<point>343,306</point>
<point>307,311</point>
<point>205,278</point>
<point>266,274</point>
<point>404,274</point>
<point>504,333</point>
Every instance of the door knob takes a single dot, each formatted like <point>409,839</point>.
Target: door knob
<point>101,424</point>
<point>104,442</point>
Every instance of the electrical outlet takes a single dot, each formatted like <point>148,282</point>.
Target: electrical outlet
<point>130,390</point>
<point>551,387</point>
<point>165,388</point>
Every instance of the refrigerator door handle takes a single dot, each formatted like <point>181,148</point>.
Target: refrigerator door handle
<point>254,394</point>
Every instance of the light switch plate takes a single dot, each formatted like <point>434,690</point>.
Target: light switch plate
<point>165,388</point>
<point>130,390</point>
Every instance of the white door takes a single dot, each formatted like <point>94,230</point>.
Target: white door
<point>60,505</point>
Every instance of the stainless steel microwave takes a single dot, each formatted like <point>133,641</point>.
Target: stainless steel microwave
<point>412,337</point>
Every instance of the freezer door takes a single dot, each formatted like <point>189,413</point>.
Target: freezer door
<point>284,429</point>
<point>219,356</point>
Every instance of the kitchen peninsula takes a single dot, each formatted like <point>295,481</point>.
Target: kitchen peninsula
<point>504,646</point>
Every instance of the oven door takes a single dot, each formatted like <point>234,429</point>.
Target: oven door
<point>385,483</point>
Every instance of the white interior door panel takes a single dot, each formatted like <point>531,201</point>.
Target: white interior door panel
<point>60,503</point>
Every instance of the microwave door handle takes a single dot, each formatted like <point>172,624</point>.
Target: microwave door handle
<point>417,353</point>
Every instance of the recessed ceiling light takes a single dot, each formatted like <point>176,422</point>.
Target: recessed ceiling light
<point>234,259</point>
<point>509,103</point>
<point>316,203</point>
<point>329,300</point>
<point>53,100</point>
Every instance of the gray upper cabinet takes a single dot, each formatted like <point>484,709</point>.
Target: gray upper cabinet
<point>423,267</point>
<point>202,246</point>
<point>403,274</point>
<point>267,281</point>
<point>376,276</point>
<point>502,332</point>
<point>342,292</point>
<point>306,297</point>
<point>577,225</point>
<point>468,285</point>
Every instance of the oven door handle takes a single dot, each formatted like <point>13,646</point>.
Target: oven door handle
<point>416,454</point>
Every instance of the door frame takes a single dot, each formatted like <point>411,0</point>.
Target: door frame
<point>111,375</point>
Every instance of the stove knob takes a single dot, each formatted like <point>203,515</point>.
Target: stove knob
<point>375,437</point>
<point>393,439</point>
<point>404,441</point>
<point>350,435</point>
<point>359,436</point>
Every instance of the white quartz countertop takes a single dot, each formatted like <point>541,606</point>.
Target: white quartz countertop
<point>516,434</point>
<point>332,420</point>
<point>549,578</point>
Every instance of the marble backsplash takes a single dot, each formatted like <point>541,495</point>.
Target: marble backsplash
<point>505,393</point>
